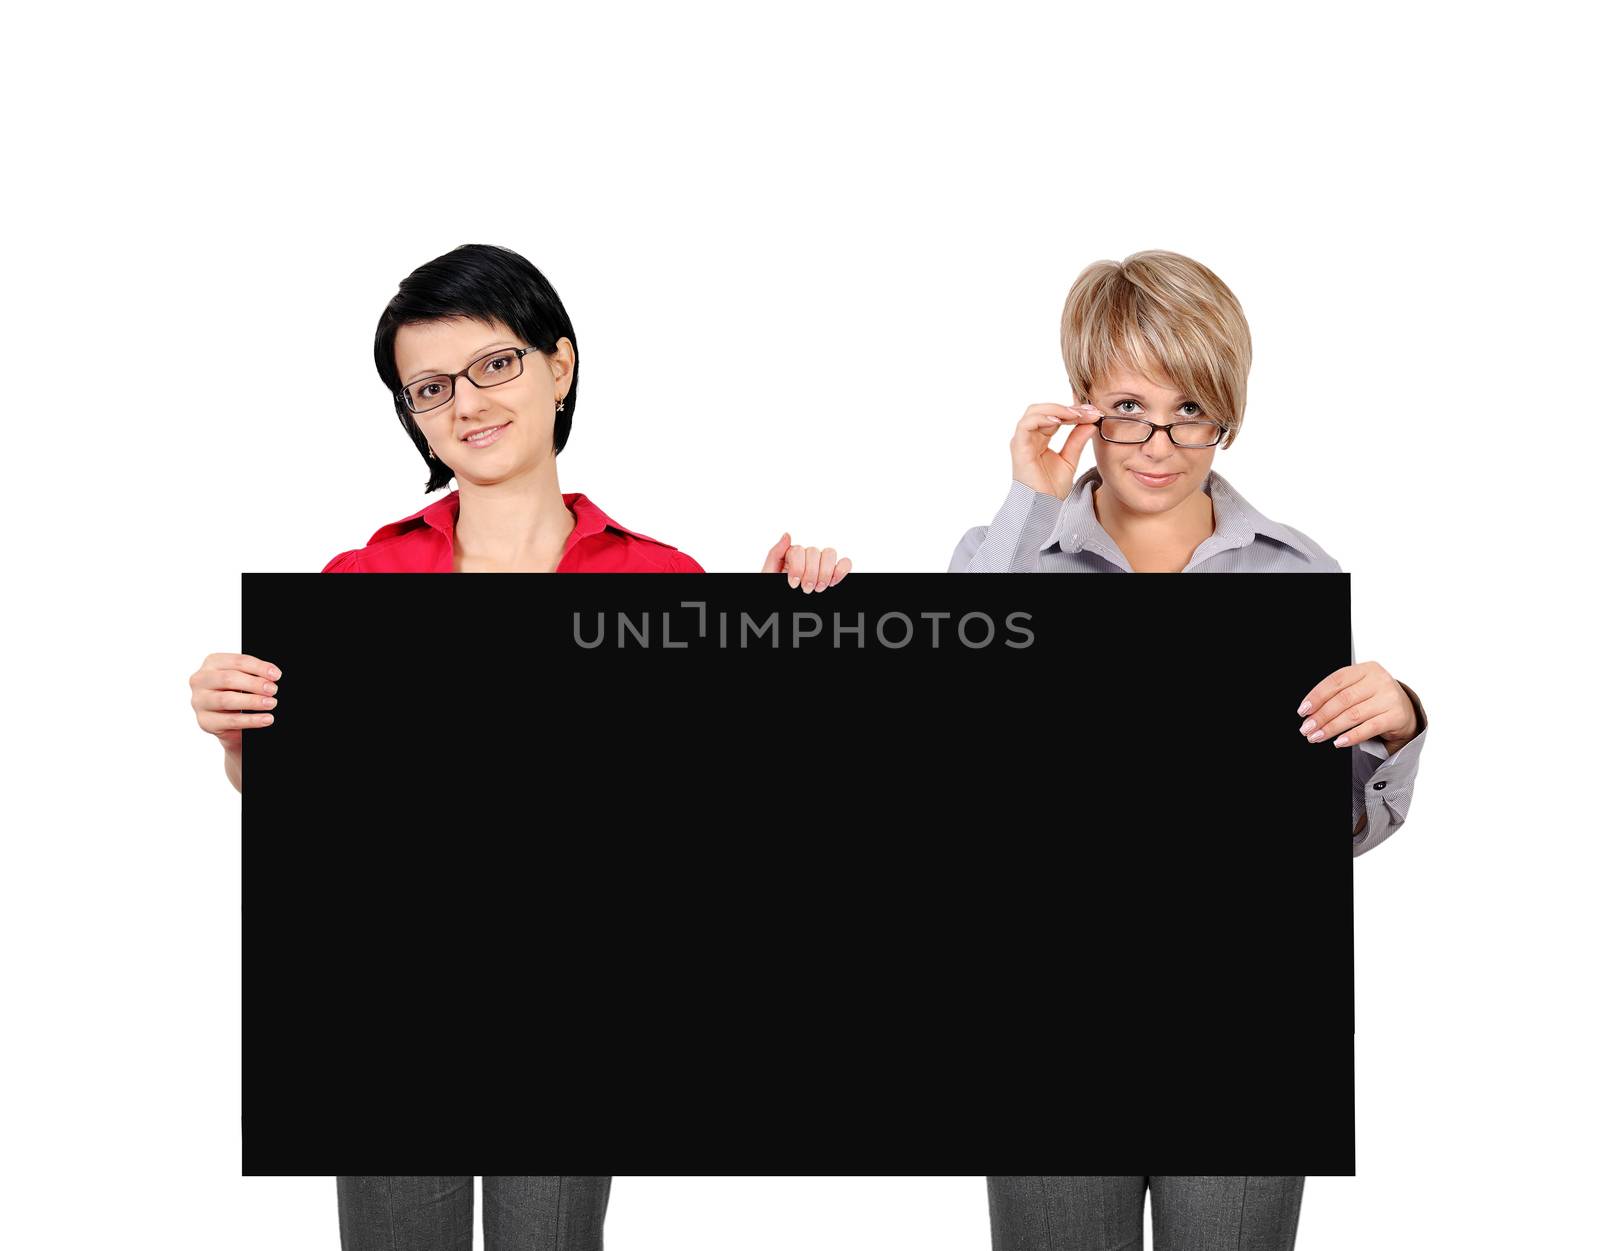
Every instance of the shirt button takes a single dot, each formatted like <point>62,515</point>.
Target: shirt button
<point>1378,786</point>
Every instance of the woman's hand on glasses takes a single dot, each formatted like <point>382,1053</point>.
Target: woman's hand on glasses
<point>808,568</point>
<point>1033,463</point>
<point>230,694</point>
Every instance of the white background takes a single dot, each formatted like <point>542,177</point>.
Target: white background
<point>816,259</point>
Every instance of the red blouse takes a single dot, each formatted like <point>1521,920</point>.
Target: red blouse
<point>425,543</point>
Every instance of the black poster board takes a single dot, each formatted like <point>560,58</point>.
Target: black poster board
<point>701,875</point>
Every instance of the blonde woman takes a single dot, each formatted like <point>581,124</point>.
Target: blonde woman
<point>1157,351</point>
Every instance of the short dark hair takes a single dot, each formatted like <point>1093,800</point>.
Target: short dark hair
<point>481,281</point>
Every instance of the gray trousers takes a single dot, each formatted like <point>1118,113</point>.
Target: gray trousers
<point>1107,1213</point>
<point>435,1213</point>
<point>1026,1213</point>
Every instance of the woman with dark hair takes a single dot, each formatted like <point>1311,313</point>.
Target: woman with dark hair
<point>481,362</point>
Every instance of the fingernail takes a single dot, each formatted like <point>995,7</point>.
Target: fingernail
<point>1318,736</point>
<point>806,588</point>
<point>1341,740</point>
<point>1304,708</point>
<point>266,718</point>
<point>793,581</point>
<point>271,703</point>
<point>277,673</point>
<point>271,688</point>
<point>1307,726</point>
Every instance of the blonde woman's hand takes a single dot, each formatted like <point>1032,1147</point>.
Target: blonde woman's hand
<point>1356,703</point>
<point>230,694</point>
<point>809,568</point>
<point>1033,463</point>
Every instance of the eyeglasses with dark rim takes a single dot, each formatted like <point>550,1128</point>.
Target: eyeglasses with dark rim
<point>1208,432</point>
<point>415,396</point>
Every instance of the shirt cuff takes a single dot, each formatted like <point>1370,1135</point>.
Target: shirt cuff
<point>1387,787</point>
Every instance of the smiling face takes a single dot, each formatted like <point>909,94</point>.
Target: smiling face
<point>523,408</point>
<point>1124,393</point>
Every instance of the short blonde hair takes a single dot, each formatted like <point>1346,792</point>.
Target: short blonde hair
<point>1164,316</point>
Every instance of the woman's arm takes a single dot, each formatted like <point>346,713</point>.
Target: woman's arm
<point>1011,542</point>
<point>1368,701</point>
<point>1382,782</point>
<point>231,693</point>
<point>1040,480</point>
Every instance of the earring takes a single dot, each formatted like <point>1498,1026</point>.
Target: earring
<point>431,456</point>
<point>561,406</point>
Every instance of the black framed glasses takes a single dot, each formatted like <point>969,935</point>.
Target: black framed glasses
<point>1203,433</point>
<point>489,370</point>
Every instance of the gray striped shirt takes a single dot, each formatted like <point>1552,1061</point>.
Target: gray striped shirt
<point>1034,532</point>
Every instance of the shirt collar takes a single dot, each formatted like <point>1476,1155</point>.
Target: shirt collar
<point>1237,523</point>
<point>442,514</point>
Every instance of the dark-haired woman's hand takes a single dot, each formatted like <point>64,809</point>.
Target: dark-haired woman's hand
<point>230,694</point>
<point>1356,703</point>
<point>1033,463</point>
<point>808,568</point>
